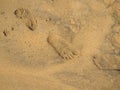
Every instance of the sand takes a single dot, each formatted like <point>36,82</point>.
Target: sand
<point>59,45</point>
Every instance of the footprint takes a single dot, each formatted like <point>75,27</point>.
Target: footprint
<point>115,40</point>
<point>115,36</point>
<point>22,13</point>
<point>27,18</point>
<point>109,56</point>
<point>107,61</point>
<point>116,9</point>
<point>62,47</point>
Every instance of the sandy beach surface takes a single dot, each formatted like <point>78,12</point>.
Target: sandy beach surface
<point>59,44</point>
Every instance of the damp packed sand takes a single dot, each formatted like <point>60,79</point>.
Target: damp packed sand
<point>59,45</point>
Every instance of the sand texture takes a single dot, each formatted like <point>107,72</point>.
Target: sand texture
<point>59,44</point>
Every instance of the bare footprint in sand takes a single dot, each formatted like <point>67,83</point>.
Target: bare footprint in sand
<point>110,59</point>
<point>27,17</point>
<point>107,61</point>
<point>62,47</point>
<point>115,40</point>
<point>116,9</point>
